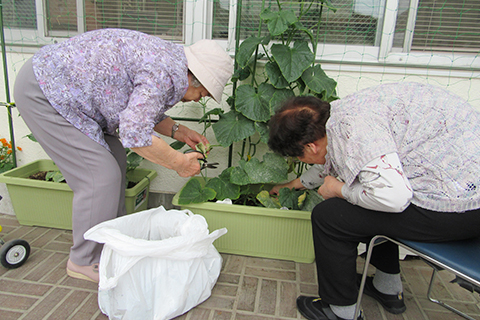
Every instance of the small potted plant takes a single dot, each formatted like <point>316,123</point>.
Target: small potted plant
<point>289,69</point>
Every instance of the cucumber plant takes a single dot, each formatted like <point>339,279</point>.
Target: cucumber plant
<point>287,50</point>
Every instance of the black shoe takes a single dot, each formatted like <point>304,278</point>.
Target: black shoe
<point>392,303</point>
<point>316,309</point>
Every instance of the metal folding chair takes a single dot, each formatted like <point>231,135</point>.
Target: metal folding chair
<point>459,257</point>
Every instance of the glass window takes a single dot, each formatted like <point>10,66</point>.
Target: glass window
<point>441,25</point>
<point>61,16</point>
<point>360,31</point>
<point>433,25</point>
<point>354,22</point>
<point>221,12</point>
<point>19,14</point>
<point>158,17</point>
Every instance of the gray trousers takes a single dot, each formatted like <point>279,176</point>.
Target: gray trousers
<point>96,175</point>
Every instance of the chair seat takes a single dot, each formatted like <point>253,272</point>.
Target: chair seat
<point>458,255</point>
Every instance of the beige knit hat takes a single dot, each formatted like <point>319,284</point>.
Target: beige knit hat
<point>211,65</point>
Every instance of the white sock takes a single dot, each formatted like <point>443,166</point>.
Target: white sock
<point>387,283</point>
<point>345,312</point>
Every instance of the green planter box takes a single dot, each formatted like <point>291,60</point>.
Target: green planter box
<point>258,231</point>
<point>49,204</point>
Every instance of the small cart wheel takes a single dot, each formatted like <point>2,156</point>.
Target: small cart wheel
<point>14,253</point>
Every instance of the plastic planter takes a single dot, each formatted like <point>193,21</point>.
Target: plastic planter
<point>49,204</point>
<point>258,231</point>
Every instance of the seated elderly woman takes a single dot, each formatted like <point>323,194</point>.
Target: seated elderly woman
<point>402,160</point>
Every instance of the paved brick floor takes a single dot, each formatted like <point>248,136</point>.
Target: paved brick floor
<point>248,288</point>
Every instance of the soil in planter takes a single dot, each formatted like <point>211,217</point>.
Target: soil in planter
<point>247,202</point>
<point>41,175</point>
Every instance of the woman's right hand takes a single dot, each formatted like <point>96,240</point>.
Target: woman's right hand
<point>190,166</point>
<point>296,184</point>
<point>331,188</point>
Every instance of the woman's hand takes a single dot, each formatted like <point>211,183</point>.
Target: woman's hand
<point>190,137</point>
<point>296,183</point>
<point>331,188</point>
<point>190,166</point>
<point>159,152</point>
<point>183,134</point>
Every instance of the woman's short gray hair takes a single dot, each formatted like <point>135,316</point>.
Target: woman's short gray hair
<point>195,82</point>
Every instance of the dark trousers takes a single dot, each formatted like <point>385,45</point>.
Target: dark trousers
<point>339,226</point>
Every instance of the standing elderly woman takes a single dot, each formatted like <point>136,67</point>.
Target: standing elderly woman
<point>401,160</point>
<point>88,98</point>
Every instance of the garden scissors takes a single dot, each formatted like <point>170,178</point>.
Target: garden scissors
<point>205,163</point>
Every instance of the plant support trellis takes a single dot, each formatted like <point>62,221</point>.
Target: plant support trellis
<point>9,103</point>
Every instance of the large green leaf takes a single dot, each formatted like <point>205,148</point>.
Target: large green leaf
<point>299,26</point>
<point>262,129</point>
<point>254,104</point>
<point>232,127</point>
<point>278,21</point>
<point>273,169</point>
<point>290,198</point>
<point>275,75</point>
<point>318,81</point>
<point>267,200</point>
<point>293,61</point>
<point>215,112</point>
<point>223,187</point>
<point>133,159</point>
<point>241,74</point>
<point>246,50</point>
<point>177,145</point>
<point>239,176</point>
<point>193,192</point>
<point>313,198</point>
<point>279,98</point>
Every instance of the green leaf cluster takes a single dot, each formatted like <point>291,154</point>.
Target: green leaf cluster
<point>235,181</point>
<point>133,159</point>
<point>290,198</point>
<point>55,176</point>
<point>287,55</point>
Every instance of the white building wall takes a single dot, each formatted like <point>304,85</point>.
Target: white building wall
<point>350,78</point>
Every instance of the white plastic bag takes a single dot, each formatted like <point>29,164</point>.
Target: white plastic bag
<point>155,264</point>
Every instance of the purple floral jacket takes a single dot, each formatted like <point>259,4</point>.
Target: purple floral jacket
<point>113,81</point>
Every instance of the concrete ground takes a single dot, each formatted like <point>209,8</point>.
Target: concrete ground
<point>248,288</point>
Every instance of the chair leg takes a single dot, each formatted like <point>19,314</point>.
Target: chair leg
<point>358,307</point>
<point>460,313</point>
<point>368,256</point>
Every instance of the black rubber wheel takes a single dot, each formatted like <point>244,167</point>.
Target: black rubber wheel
<point>14,253</point>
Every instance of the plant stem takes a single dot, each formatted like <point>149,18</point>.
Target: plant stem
<point>317,34</point>
<point>260,23</point>
<point>7,89</point>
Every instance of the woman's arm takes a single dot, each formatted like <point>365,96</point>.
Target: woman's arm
<point>381,186</point>
<point>310,179</point>
<point>159,152</point>
<point>183,134</point>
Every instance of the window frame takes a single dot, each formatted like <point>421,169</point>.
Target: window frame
<point>406,57</point>
<point>384,53</point>
<point>198,19</point>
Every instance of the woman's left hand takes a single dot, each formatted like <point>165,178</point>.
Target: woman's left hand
<point>331,188</point>
<point>183,133</point>
<point>191,137</point>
